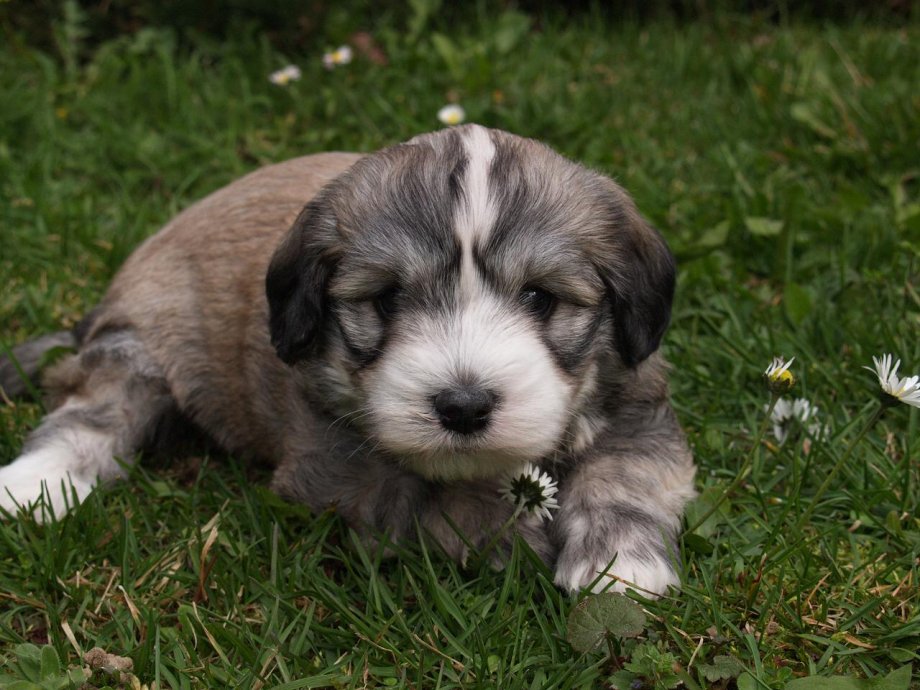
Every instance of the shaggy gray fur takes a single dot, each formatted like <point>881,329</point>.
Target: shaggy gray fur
<point>310,313</point>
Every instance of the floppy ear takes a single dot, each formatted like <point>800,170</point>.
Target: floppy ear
<point>640,278</point>
<point>296,284</point>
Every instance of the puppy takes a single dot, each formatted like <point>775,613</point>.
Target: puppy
<point>396,333</point>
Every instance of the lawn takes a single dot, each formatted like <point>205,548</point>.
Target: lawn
<point>780,160</point>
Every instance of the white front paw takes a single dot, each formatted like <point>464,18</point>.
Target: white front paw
<point>44,484</point>
<point>650,576</point>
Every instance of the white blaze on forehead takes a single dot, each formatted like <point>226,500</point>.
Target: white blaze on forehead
<point>480,342</point>
<point>475,213</point>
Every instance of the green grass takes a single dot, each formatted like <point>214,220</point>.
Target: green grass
<point>781,162</point>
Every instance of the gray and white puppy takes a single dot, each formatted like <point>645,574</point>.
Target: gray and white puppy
<point>396,332</point>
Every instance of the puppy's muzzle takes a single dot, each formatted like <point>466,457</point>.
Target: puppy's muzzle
<point>464,410</point>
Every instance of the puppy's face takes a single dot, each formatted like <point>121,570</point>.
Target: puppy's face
<point>462,293</point>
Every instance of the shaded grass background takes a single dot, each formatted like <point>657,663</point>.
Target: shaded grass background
<point>780,161</point>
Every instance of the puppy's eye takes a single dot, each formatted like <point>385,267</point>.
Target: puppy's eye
<point>538,302</point>
<point>386,302</point>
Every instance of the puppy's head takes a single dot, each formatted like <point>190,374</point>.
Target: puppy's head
<point>464,289</point>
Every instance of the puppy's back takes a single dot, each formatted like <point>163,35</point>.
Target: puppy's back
<point>194,295</point>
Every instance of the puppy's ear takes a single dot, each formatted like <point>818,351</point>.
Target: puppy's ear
<point>296,284</point>
<point>640,277</point>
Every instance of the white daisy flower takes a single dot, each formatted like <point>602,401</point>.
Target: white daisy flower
<point>895,389</point>
<point>533,489</point>
<point>779,378</point>
<point>452,114</point>
<point>787,417</point>
<point>285,75</point>
<point>341,56</point>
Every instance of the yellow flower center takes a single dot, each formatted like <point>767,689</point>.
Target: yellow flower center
<point>784,377</point>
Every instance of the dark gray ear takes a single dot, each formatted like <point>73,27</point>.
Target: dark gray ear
<point>640,278</point>
<point>296,284</point>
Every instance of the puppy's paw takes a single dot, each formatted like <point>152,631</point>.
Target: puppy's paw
<point>619,547</point>
<point>648,574</point>
<point>42,483</point>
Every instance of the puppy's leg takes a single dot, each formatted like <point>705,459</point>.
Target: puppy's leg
<point>625,502</point>
<point>110,397</point>
<point>376,496</point>
<point>471,513</point>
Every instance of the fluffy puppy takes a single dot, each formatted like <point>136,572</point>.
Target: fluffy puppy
<point>396,332</point>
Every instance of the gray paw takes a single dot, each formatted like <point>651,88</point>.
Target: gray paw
<point>631,537</point>
<point>649,575</point>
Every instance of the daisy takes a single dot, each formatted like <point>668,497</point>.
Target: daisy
<point>341,56</point>
<point>779,378</point>
<point>895,389</point>
<point>533,490</point>
<point>800,413</point>
<point>285,75</point>
<point>451,114</point>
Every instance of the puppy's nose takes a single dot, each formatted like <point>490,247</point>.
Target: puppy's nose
<point>464,410</point>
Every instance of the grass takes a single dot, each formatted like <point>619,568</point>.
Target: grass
<point>780,161</point>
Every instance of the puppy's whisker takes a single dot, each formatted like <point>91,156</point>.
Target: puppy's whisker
<point>373,450</point>
<point>358,449</point>
<point>349,417</point>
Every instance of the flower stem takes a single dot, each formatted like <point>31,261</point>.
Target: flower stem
<point>487,549</point>
<point>745,468</point>
<point>812,506</point>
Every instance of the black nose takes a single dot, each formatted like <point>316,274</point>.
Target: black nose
<point>464,410</point>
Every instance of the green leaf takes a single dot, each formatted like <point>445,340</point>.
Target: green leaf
<point>493,662</point>
<point>896,680</point>
<point>510,28</point>
<point>687,680</point>
<point>747,682</point>
<point>422,11</point>
<point>893,522</point>
<point>622,680</point>
<point>50,662</point>
<point>716,236</point>
<point>163,489</point>
<point>654,664</point>
<point>902,656</point>
<point>763,227</point>
<point>20,685</point>
<point>77,677</point>
<point>797,301</point>
<point>701,505</point>
<point>806,115</point>
<point>698,544</point>
<point>722,667</point>
<point>603,614</point>
<point>449,53</point>
<point>29,658</point>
